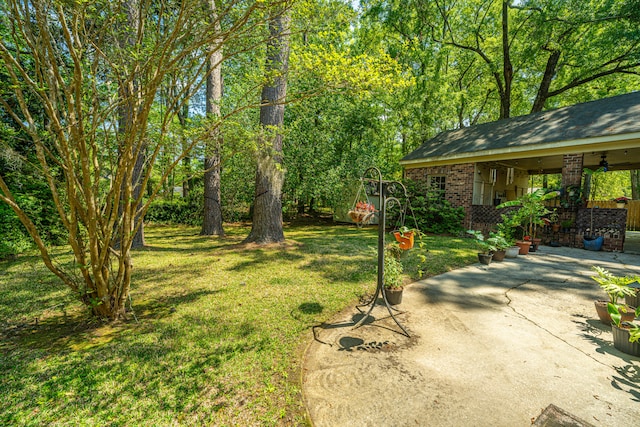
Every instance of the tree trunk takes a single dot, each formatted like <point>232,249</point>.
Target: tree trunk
<point>635,184</point>
<point>586,191</point>
<point>212,219</point>
<point>129,93</point>
<point>545,84</point>
<point>507,67</point>
<point>267,213</point>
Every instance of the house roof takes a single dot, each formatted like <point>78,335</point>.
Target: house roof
<point>606,124</point>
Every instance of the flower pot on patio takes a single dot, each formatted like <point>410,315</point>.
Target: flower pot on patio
<point>633,301</point>
<point>512,252</point>
<point>524,246</point>
<point>593,243</point>
<point>394,296</point>
<point>499,255</point>
<point>621,341</point>
<point>605,317</point>
<point>485,258</point>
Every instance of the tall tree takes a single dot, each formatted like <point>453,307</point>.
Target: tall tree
<point>129,101</point>
<point>267,208</point>
<point>635,184</point>
<point>212,217</point>
<point>531,54</point>
<point>71,64</point>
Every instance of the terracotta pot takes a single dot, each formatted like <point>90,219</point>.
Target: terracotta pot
<point>621,341</point>
<point>605,317</point>
<point>394,296</point>
<point>406,240</point>
<point>499,255</point>
<point>524,247</point>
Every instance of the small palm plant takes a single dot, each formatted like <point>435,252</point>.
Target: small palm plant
<point>615,287</point>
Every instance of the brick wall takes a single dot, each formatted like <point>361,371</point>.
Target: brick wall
<point>485,218</point>
<point>459,184</point>
<point>572,169</point>
<point>609,223</point>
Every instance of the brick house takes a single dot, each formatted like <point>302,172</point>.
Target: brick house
<point>481,166</point>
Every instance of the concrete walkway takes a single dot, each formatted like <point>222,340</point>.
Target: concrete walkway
<point>490,346</point>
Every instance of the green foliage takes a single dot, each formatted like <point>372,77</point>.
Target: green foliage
<point>34,197</point>
<point>531,210</point>
<point>485,245</point>
<point>432,213</point>
<point>499,240</point>
<point>616,317</point>
<point>392,267</point>
<point>615,287</point>
<point>177,211</point>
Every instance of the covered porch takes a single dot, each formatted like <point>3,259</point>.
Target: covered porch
<point>482,166</point>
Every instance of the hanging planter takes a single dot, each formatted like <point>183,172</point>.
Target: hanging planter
<point>405,239</point>
<point>362,213</point>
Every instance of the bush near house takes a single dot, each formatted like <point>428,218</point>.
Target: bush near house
<point>433,214</point>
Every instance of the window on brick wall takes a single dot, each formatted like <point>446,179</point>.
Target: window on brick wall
<point>438,185</point>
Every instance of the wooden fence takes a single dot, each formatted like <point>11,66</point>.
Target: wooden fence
<point>632,207</point>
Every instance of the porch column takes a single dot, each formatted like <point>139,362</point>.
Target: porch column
<point>572,169</point>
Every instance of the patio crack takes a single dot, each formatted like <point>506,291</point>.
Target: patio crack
<point>537,325</point>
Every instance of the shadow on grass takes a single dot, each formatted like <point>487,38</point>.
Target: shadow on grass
<point>64,364</point>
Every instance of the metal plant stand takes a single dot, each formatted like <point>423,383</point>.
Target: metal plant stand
<point>387,192</point>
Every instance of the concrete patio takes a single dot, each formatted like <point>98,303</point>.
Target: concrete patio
<point>490,346</point>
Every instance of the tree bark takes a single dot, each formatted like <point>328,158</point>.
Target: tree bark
<point>635,184</point>
<point>212,219</point>
<point>267,213</point>
<point>507,67</point>
<point>129,93</point>
<point>545,84</point>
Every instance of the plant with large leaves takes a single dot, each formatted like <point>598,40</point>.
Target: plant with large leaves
<point>532,209</point>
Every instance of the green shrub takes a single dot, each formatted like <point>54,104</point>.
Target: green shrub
<point>432,213</point>
<point>178,211</point>
<point>35,198</point>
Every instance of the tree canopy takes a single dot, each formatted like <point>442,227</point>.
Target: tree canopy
<point>108,106</point>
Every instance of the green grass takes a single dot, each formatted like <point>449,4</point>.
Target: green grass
<point>220,334</point>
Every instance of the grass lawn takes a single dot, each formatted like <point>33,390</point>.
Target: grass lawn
<point>220,331</point>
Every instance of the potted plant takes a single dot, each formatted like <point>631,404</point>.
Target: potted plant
<point>500,242</point>
<point>590,241</point>
<point>507,230</point>
<point>626,334</point>
<point>633,300</point>
<point>554,219</point>
<point>362,212</point>
<point>486,246</point>
<point>615,287</point>
<point>530,214</point>
<point>406,236</point>
<point>621,202</point>
<point>393,274</point>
